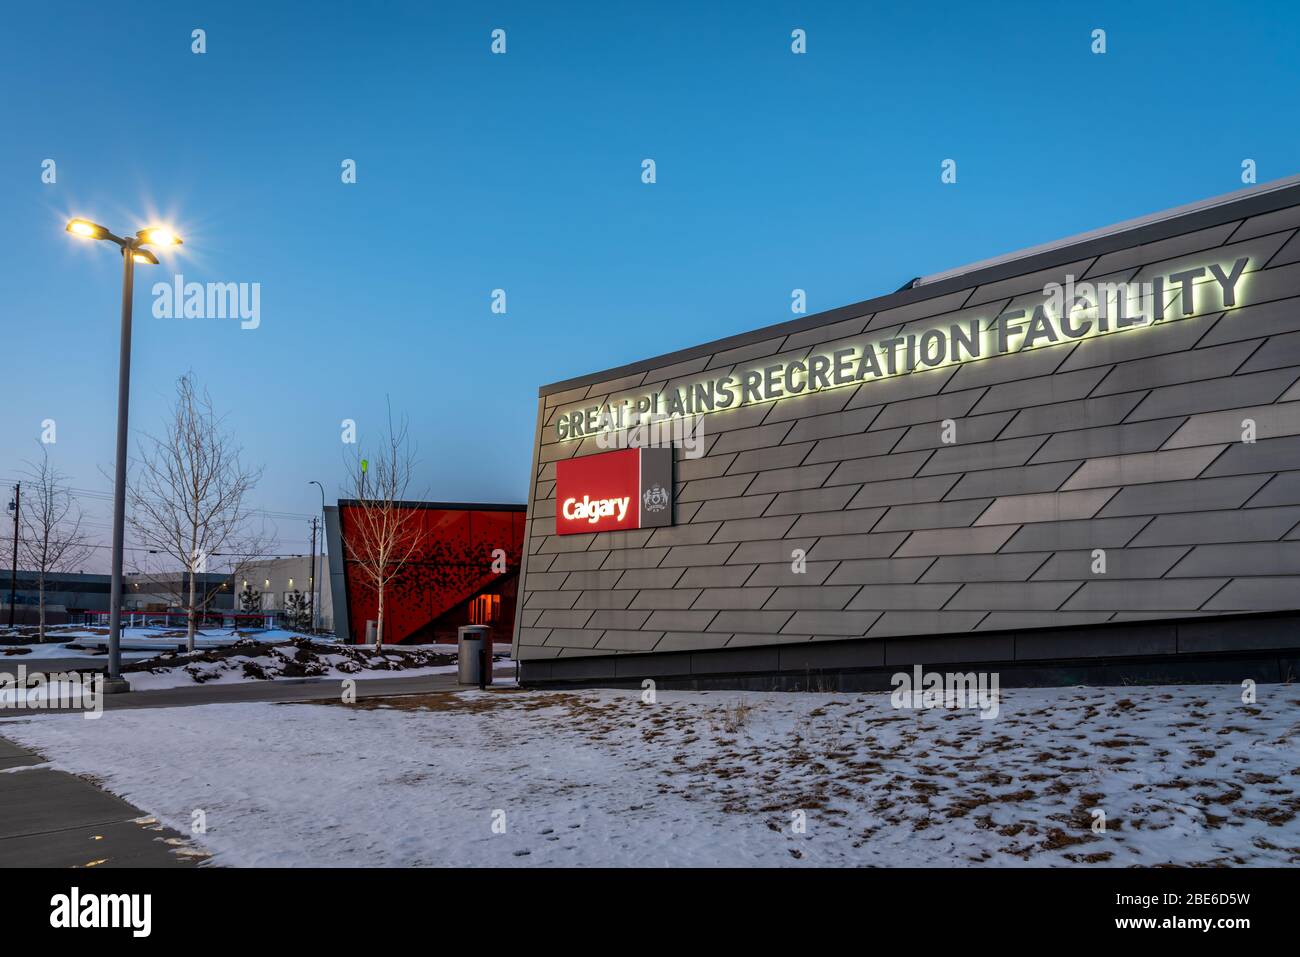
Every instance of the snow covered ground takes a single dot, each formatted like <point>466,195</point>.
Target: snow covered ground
<point>56,694</point>
<point>301,658</point>
<point>151,661</point>
<point>58,649</point>
<point>1184,775</point>
<point>75,641</point>
<point>255,660</point>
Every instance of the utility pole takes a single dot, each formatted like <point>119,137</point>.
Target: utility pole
<point>311,576</point>
<point>16,504</point>
<point>315,581</point>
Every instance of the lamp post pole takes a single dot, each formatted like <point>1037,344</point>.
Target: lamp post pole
<point>115,682</point>
<point>133,248</point>
<point>311,576</point>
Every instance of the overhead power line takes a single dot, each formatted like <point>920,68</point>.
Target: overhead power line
<point>101,495</point>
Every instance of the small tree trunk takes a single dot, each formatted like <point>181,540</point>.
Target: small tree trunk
<point>379,623</point>
<point>190,623</point>
<point>40,629</point>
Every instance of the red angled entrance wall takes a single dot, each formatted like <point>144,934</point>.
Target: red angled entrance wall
<point>450,582</point>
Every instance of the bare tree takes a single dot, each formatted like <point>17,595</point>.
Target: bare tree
<point>382,535</point>
<point>52,539</point>
<point>188,500</point>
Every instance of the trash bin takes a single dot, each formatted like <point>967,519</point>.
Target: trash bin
<point>471,641</point>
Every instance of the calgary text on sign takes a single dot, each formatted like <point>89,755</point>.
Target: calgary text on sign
<point>1093,309</point>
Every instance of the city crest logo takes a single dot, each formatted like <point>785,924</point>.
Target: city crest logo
<point>655,498</point>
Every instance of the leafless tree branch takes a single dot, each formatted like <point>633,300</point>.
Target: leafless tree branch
<point>52,539</point>
<point>188,501</point>
<point>382,536</point>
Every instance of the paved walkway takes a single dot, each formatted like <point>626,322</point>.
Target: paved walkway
<point>283,689</point>
<point>54,819</point>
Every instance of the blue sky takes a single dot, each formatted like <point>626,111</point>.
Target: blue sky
<point>522,172</point>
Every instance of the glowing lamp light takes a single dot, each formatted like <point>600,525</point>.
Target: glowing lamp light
<point>86,229</point>
<point>159,236</point>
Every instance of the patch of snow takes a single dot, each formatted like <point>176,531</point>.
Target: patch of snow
<point>50,649</point>
<point>214,674</point>
<point>60,694</point>
<point>1184,775</point>
<point>300,659</point>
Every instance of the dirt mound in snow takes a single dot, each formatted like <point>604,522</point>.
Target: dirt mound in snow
<point>299,658</point>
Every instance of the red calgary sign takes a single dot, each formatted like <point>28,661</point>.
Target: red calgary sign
<point>629,488</point>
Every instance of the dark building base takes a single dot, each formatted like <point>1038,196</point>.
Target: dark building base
<point>1225,649</point>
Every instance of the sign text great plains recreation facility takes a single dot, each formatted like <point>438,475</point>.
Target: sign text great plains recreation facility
<point>1072,311</point>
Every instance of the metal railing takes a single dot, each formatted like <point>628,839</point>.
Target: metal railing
<point>134,618</point>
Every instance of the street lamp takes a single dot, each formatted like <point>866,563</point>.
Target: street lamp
<point>133,252</point>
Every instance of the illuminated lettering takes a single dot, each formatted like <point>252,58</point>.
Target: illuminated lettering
<point>594,510</point>
<point>1187,279</point>
<point>841,360</point>
<point>1039,327</point>
<point>1229,282</point>
<point>1071,311</point>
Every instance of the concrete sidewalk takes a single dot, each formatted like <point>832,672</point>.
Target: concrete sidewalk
<point>54,819</point>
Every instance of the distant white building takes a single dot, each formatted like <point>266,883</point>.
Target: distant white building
<point>275,578</point>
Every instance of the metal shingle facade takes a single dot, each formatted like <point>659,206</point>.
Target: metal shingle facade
<point>981,549</point>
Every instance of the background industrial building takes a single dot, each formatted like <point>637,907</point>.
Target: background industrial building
<point>465,571</point>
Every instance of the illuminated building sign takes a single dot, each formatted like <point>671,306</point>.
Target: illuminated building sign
<point>1070,312</point>
<point>630,488</point>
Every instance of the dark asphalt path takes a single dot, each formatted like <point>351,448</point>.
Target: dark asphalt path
<point>55,819</point>
<point>282,690</point>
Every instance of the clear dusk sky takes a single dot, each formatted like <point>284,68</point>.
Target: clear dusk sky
<point>522,172</point>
